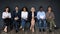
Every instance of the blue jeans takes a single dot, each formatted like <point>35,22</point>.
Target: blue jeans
<point>42,24</point>
<point>23,21</point>
<point>16,24</point>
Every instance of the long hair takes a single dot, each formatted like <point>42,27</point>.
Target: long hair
<point>6,8</point>
<point>25,8</point>
<point>50,7</point>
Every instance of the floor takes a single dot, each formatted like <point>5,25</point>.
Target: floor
<point>57,31</point>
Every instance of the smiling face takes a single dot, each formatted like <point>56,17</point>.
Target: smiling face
<point>41,9</point>
<point>7,9</point>
<point>16,8</point>
<point>49,9</point>
<point>32,9</point>
<point>24,9</point>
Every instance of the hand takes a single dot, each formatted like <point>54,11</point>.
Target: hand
<point>7,17</point>
<point>50,17</point>
<point>16,18</point>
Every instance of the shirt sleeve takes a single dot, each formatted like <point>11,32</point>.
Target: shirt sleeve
<point>3,15</point>
<point>37,15</point>
<point>53,15</point>
<point>44,15</point>
<point>9,15</point>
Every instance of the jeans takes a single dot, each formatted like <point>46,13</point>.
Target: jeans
<point>42,24</point>
<point>23,21</point>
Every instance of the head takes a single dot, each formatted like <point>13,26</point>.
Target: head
<point>24,9</point>
<point>41,8</point>
<point>16,8</point>
<point>7,9</point>
<point>49,8</point>
<point>32,9</point>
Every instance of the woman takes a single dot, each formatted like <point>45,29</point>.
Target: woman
<point>50,17</point>
<point>6,16</point>
<point>16,18</point>
<point>24,16</point>
<point>32,16</point>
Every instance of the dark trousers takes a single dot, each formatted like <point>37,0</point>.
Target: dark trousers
<point>16,25</point>
<point>7,22</point>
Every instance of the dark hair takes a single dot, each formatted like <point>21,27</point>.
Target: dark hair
<point>16,6</point>
<point>33,7</point>
<point>8,8</point>
<point>40,7</point>
<point>25,8</point>
<point>50,7</point>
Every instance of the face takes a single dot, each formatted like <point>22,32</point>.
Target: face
<point>7,9</point>
<point>24,9</point>
<point>41,9</point>
<point>16,8</point>
<point>49,9</point>
<point>33,9</point>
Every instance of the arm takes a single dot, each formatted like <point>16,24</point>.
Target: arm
<point>47,15</point>
<point>3,16</point>
<point>53,17</point>
<point>9,15</point>
<point>37,15</point>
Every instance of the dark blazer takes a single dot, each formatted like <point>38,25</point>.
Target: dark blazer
<point>14,14</point>
<point>30,16</point>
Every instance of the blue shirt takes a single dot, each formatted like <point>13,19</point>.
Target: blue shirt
<point>41,15</point>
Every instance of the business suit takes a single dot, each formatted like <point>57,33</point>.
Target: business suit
<point>16,22</point>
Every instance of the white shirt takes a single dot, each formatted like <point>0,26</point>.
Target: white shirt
<point>5,15</point>
<point>41,15</point>
<point>24,15</point>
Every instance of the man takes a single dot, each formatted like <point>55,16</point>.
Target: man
<point>41,19</point>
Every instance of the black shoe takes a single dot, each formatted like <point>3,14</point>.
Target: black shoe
<point>16,31</point>
<point>43,30</point>
<point>39,30</point>
<point>50,30</point>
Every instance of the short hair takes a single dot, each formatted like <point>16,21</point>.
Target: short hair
<point>40,7</point>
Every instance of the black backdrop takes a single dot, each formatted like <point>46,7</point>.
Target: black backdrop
<point>29,4</point>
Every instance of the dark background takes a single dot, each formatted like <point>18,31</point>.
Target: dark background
<point>29,3</point>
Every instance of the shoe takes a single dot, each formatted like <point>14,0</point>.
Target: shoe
<point>20,27</point>
<point>50,30</point>
<point>16,31</point>
<point>23,29</point>
<point>43,30</point>
<point>30,28</point>
<point>55,25</point>
<point>39,30</point>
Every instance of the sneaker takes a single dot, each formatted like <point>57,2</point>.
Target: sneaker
<point>20,27</point>
<point>23,29</point>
